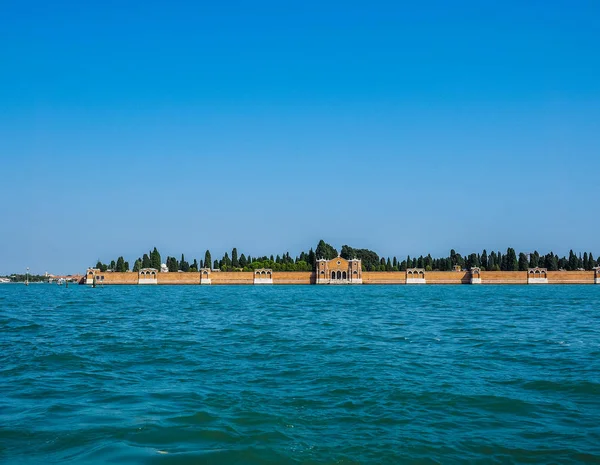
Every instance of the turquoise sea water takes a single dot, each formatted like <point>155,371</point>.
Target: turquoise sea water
<point>299,374</point>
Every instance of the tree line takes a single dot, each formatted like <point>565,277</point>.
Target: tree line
<point>509,260</point>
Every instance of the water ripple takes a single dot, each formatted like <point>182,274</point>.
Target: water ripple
<point>300,374</point>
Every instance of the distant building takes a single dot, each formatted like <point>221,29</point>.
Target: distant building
<point>339,271</point>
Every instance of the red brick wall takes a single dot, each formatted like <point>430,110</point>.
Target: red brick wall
<point>232,277</point>
<point>294,277</point>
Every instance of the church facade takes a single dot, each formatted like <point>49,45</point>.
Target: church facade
<point>339,271</point>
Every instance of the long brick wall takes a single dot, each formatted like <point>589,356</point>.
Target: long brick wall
<point>504,277</point>
<point>448,277</point>
<point>294,277</point>
<point>233,277</point>
<point>384,277</point>
<point>571,277</point>
<point>369,277</point>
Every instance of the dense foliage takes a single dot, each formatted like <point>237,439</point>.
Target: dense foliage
<point>509,260</point>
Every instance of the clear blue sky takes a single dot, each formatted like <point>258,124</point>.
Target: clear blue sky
<point>405,127</point>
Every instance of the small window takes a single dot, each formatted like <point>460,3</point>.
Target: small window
<point>339,263</point>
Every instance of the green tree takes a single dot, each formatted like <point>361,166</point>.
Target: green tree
<point>172,264</point>
<point>146,261</point>
<point>234,258</point>
<point>183,265</point>
<point>572,260</point>
<point>120,265</point>
<point>512,264</point>
<point>155,259</point>
<point>534,259</point>
<point>207,259</point>
<point>137,265</point>
<point>312,260</point>
<point>325,251</point>
<point>243,261</point>
<point>523,262</point>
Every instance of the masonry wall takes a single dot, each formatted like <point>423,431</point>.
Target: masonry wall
<point>117,278</point>
<point>294,277</point>
<point>570,277</point>
<point>448,277</point>
<point>369,277</point>
<point>232,277</point>
<point>504,277</point>
<point>178,278</point>
<point>384,277</point>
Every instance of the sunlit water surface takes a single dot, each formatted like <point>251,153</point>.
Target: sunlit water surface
<point>299,374</point>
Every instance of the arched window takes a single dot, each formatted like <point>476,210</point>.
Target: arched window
<point>339,275</point>
<point>344,276</point>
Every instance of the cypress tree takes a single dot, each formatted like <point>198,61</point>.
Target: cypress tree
<point>215,265</point>
<point>523,262</point>
<point>534,259</point>
<point>155,259</point>
<point>312,261</point>
<point>207,259</point>
<point>234,258</point>
<point>243,262</point>
<point>120,266</point>
<point>484,259</point>
<point>137,265</point>
<point>572,260</point>
<point>146,261</point>
<point>183,265</point>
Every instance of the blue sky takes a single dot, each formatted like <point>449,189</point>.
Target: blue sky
<point>405,127</point>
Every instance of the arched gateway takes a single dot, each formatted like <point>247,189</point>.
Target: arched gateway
<point>537,276</point>
<point>263,276</point>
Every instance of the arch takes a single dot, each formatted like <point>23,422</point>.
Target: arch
<point>344,275</point>
<point>355,272</point>
<point>421,274</point>
<point>322,272</point>
<point>339,274</point>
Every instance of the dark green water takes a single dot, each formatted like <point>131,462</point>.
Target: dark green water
<point>300,374</point>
